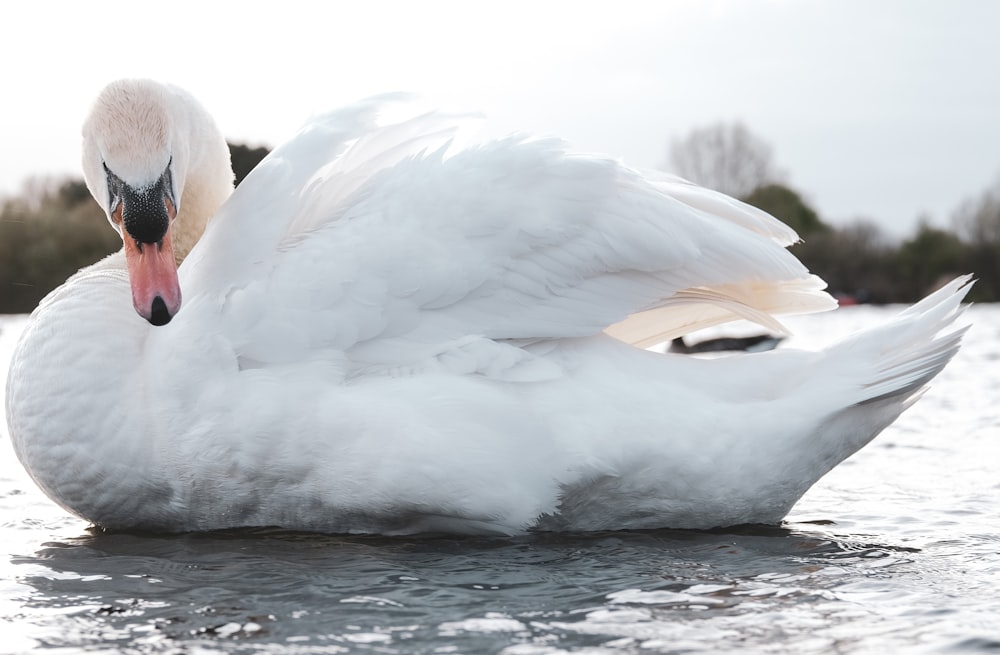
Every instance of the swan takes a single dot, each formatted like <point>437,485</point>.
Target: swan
<point>379,331</point>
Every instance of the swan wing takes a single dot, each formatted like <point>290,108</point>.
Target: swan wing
<point>376,239</point>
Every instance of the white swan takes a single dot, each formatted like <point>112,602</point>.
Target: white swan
<point>377,337</point>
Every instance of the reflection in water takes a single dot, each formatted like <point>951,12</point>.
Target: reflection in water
<point>264,589</point>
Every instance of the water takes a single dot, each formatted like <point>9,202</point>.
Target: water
<point>895,551</point>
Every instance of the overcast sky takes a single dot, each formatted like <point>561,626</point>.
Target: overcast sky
<point>883,109</point>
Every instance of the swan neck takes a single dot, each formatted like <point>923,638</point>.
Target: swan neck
<point>203,194</point>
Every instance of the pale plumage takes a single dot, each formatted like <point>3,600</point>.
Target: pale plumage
<point>380,333</point>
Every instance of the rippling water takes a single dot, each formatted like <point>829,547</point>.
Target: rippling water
<point>895,551</point>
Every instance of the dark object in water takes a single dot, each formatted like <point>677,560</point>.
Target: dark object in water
<point>756,343</point>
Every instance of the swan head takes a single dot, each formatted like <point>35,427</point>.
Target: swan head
<point>159,167</point>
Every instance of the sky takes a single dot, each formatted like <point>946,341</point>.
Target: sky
<point>887,111</point>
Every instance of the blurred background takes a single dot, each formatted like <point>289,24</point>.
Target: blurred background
<point>871,128</point>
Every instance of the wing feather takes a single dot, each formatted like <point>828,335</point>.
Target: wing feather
<point>367,239</point>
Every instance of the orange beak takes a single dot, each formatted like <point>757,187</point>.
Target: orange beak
<point>152,272</point>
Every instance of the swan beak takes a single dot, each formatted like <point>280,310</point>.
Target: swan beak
<point>152,272</point>
<point>143,217</point>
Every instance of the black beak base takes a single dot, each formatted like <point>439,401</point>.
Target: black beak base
<point>144,212</point>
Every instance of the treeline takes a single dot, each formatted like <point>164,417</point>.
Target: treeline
<point>860,263</point>
<point>55,228</point>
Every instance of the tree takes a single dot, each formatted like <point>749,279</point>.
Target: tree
<point>855,260</point>
<point>978,219</point>
<point>244,158</point>
<point>727,158</point>
<point>788,207</point>
<point>977,222</point>
<point>48,234</point>
<point>927,258</point>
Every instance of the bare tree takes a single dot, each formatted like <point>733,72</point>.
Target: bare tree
<point>978,219</point>
<point>724,157</point>
<point>977,222</point>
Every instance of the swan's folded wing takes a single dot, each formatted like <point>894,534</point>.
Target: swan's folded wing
<point>392,244</point>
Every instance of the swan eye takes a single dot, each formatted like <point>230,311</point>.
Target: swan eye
<point>167,181</point>
<point>114,194</point>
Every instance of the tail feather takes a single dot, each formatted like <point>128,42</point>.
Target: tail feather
<point>909,376</point>
<point>909,351</point>
<point>885,371</point>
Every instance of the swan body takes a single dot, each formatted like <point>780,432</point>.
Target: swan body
<point>382,333</point>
